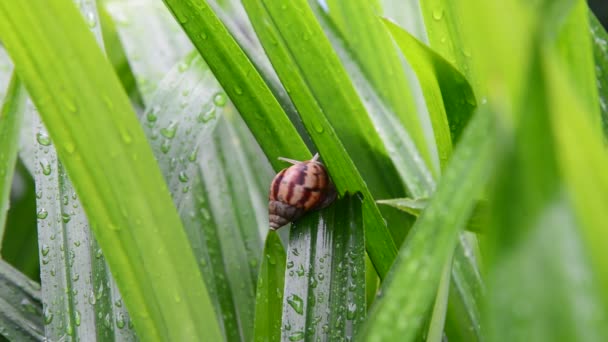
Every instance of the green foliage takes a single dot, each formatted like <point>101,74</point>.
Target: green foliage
<point>134,178</point>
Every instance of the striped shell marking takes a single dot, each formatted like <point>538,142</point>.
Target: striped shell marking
<point>300,188</point>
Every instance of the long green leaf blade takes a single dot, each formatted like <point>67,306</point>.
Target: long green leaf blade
<point>20,306</point>
<point>448,95</point>
<point>259,109</point>
<point>243,84</point>
<point>269,293</point>
<point>98,150</point>
<point>417,271</point>
<point>373,49</point>
<point>11,116</point>
<point>600,54</point>
<point>324,294</point>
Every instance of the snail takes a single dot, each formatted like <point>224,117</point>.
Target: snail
<point>302,187</point>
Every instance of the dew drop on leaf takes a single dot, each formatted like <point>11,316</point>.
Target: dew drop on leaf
<point>296,303</point>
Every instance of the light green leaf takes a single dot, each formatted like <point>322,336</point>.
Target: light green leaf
<point>600,53</point>
<point>243,84</point>
<point>268,122</point>
<point>153,42</point>
<point>373,49</point>
<point>416,207</point>
<point>20,306</point>
<point>417,271</point>
<point>269,293</point>
<point>324,294</point>
<point>98,138</point>
<point>11,116</point>
<point>449,97</point>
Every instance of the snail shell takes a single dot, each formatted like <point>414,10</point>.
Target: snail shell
<point>300,188</point>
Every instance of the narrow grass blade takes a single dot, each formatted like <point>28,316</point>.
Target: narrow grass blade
<point>11,115</point>
<point>537,262</point>
<point>600,54</point>
<point>324,294</point>
<point>373,49</point>
<point>443,20</point>
<point>584,173</point>
<point>416,207</point>
<point>411,166</point>
<point>243,84</point>
<point>214,185</point>
<point>299,51</point>
<point>117,56</point>
<point>124,200</point>
<point>20,244</point>
<point>268,122</point>
<point>152,41</point>
<point>269,293</point>
<point>6,70</point>
<point>20,306</point>
<point>417,271</point>
<point>448,95</point>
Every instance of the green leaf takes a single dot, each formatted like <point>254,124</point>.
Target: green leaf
<point>372,47</point>
<point>416,206</point>
<point>408,161</point>
<point>243,84</point>
<point>324,294</point>
<point>449,97</point>
<point>417,271</point>
<point>11,115</point>
<point>98,138</point>
<point>215,185</point>
<point>600,54</point>
<point>269,293</point>
<point>268,122</point>
<point>299,51</point>
<point>584,173</point>
<point>20,306</point>
<point>153,42</point>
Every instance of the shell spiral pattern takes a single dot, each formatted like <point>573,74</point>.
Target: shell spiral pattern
<point>300,188</point>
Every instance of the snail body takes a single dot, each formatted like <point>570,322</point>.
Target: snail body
<point>302,187</point>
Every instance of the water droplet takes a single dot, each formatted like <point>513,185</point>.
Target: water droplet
<point>77,318</point>
<point>183,177</point>
<point>120,320</point>
<point>296,303</point>
<point>42,214</point>
<point>169,131</point>
<point>300,271</point>
<point>290,264</point>
<point>65,217</point>
<point>90,18</point>
<point>193,154</point>
<point>352,311</point>
<point>207,115</point>
<point>43,139</point>
<point>45,249</point>
<point>297,336</point>
<point>165,146</point>
<point>438,14</point>
<point>203,36</point>
<point>318,128</point>
<point>238,90</point>
<point>92,299</point>
<point>48,316</point>
<point>220,99</point>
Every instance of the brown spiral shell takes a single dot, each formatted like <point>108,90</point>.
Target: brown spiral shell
<point>300,188</point>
